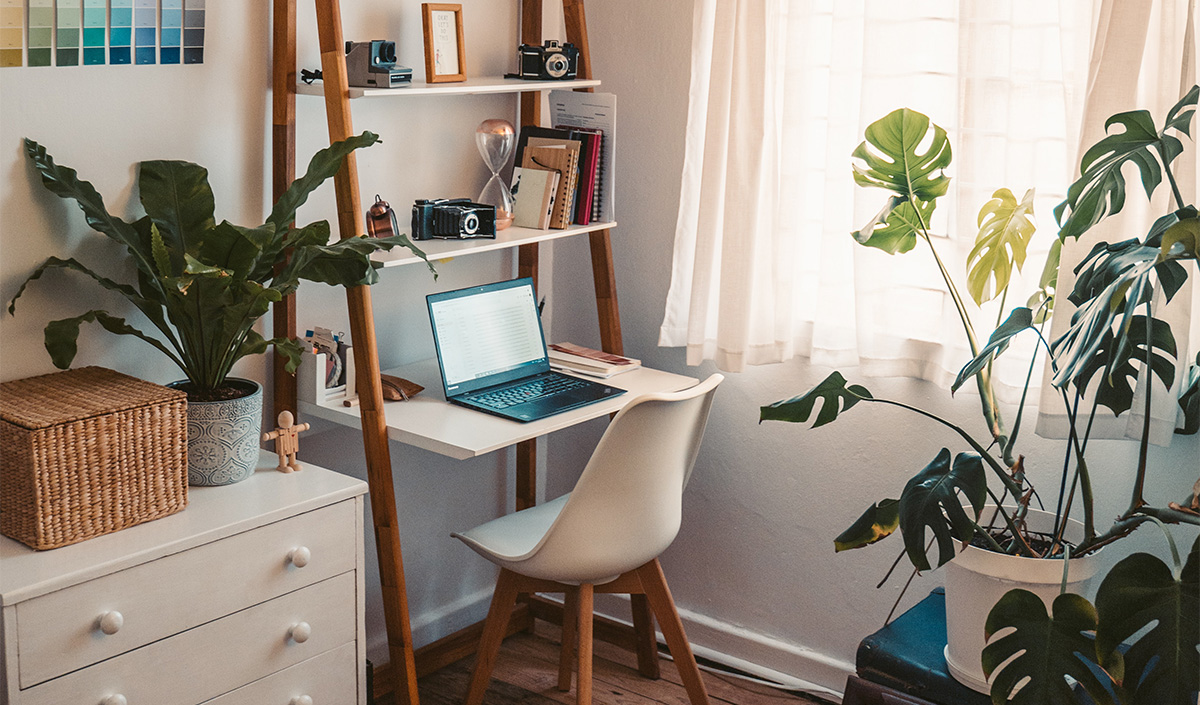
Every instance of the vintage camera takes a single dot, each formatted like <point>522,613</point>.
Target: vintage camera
<point>548,62</point>
<point>452,219</point>
<point>373,65</point>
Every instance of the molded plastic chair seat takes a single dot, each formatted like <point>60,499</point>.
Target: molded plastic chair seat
<point>604,536</point>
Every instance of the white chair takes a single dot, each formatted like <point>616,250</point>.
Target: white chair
<point>603,537</point>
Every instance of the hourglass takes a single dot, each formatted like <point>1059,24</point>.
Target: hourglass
<point>496,139</point>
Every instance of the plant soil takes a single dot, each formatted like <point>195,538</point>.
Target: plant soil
<point>232,389</point>
<point>1039,542</point>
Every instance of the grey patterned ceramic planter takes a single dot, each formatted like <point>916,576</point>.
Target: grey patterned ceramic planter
<point>223,437</point>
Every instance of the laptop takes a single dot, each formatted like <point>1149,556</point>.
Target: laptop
<point>492,354</point>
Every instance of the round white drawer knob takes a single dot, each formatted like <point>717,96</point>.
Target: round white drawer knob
<point>301,700</point>
<point>117,699</point>
<point>299,557</point>
<point>110,623</point>
<point>300,632</point>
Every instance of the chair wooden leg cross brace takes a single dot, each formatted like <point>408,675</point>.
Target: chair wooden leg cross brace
<point>603,537</point>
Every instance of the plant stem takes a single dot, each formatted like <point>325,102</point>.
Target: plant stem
<point>1139,483</point>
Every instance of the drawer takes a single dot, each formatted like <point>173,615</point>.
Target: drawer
<point>218,657</point>
<point>65,630</point>
<point>328,679</point>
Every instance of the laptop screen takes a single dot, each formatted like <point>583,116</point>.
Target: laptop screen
<point>487,335</point>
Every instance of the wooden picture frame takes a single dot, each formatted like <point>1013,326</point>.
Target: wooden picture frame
<point>445,55</point>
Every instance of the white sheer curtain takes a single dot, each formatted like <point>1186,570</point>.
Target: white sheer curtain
<point>764,266</point>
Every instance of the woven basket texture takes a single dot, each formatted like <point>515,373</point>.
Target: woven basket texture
<point>87,452</point>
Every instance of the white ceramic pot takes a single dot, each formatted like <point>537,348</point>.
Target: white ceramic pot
<point>976,580</point>
<point>223,436</point>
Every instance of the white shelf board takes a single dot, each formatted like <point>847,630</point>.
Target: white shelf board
<point>471,86</point>
<point>509,237</point>
<point>428,421</point>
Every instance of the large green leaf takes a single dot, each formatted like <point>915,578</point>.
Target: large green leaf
<point>65,183</point>
<point>323,165</point>
<point>1181,240</point>
<point>1019,320</point>
<point>1041,302</point>
<point>238,249</point>
<point>177,197</point>
<point>1114,280</point>
<point>1005,229</point>
<point>1140,595</point>
<point>1100,189</point>
<point>61,336</point>
<point>906,154</point>
<point>1044,651</point>
<point>930,500</point>
<point>1116,388</point>
<point>836,396</point>
<point>877,523</point>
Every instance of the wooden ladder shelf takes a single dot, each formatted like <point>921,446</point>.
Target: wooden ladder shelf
<point>404,665</point>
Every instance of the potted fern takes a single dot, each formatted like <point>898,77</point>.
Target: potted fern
<point>1114,336</point>
<point>203,284</point>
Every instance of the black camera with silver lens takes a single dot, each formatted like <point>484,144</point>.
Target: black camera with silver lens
<point>373,65</point>
<point>549,62</point>
<point>452,219</point>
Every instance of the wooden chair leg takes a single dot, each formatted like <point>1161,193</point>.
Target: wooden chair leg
<point>566,660</point>
<point>643,629</point>
<point>655,585</point>
<point>583,684</point>
<point>503,600</point>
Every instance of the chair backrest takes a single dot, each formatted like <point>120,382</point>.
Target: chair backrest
<point>626,507</point>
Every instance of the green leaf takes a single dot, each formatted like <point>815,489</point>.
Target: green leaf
<point>901,223</point>
<point>73,264</point>
<point>177,197</point>
<point>1005,229</point>
<point>1140,595</point>
<point>1181,240</point>
<point>930,500</point>
<point>61,336</point>
<point>323,165</point>
<point>240,250</point>
<point>907,155</point>
<point>1041,302</point>
<point>835,394</point>
<point>162,258</point>
<point>1100,189</point>
<point>1116,388</point>
<point>1019,320</point>
<point>893,160</point>
<point>877,523</point>
<point>1044,651</point>
<point>64,183</point>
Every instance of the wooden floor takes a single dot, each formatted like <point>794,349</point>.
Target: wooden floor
<point>526,674</point>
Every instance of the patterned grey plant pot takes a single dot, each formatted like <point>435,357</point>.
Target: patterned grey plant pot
<point>223,437</point>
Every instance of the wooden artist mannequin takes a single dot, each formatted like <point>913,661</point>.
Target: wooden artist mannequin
<point>287,441</point>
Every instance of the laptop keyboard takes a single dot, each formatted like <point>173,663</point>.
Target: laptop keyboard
<point>529,391</point>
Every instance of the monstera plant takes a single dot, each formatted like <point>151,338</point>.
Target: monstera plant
<point>1114,337</point>
<point>201,284</point>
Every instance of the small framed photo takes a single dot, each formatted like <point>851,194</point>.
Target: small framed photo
<point>445,58</point>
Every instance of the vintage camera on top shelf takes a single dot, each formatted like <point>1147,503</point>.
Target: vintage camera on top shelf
<point>549,62</point>
<point>452,219</point>
<point>373,65</point>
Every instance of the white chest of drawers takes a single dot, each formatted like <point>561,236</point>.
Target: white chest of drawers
<point>253,595</point>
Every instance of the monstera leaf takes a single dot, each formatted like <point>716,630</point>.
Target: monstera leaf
<point>1020,319</point>
<point>1043,650</point>
<point>1100,189</point>
<point>906,154</point>
<point>1141,595</point>
<point>834,394</point>
<point>877,523</point>
<point>1115,390</point>
<point>1005,229</point>
<point>930,500</point>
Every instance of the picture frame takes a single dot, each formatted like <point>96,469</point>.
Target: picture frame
<point>445,55</point>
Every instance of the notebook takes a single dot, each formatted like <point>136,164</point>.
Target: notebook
<point>492,354</point>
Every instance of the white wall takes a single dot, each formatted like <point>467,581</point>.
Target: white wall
<point>753,568</point>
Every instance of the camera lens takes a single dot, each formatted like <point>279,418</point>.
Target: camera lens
<point>470,223</point>
<point>557,65</point>
<point>388,52</point>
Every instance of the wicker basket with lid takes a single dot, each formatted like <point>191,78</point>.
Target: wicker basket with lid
<point>88,452</point>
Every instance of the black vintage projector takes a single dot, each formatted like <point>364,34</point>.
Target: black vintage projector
<point>373,65</point>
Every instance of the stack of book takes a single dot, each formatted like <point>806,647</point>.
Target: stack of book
<point>570,357</point>
<point>558,172</point>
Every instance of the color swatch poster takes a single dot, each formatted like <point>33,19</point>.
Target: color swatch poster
<point>98,32</point>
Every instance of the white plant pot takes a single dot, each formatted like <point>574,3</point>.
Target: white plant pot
<point>976,580</point>
<point>223,437</point>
